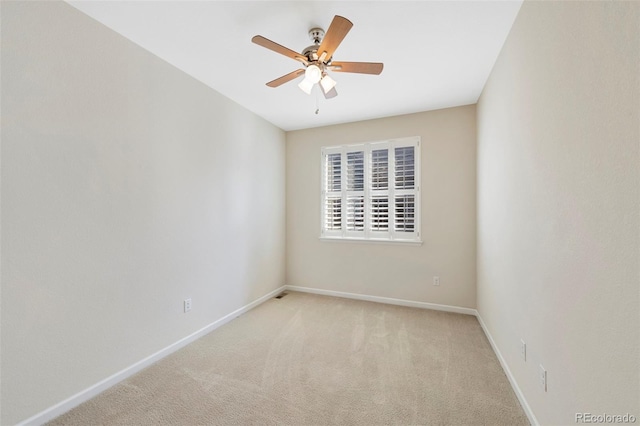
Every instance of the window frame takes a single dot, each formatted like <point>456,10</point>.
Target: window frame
<point>390,235</point>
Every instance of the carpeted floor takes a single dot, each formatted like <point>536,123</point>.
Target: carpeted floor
<point>308,359</point>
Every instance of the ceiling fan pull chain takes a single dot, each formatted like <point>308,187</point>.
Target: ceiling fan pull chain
<point>317,107</point>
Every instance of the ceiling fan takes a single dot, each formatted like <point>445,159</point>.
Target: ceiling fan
<point>318,58</point>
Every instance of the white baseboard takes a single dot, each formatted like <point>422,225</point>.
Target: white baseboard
<point>512,380</point>
<point>387,300</point>
<point>82,396</point>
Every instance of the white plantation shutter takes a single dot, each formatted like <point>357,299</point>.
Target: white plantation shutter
<point>355,193</point>
<point>379,213</point>
<point>380,169</point>
<point>371,191</point>
<point>404,200</point>
<point>355,213</point>
<point>333,216</point>
<point>334,173</point>
<point>355,171</point>
<point>405,167</point>
<point>333,212</point>
<point>332,194</point>
<point>404,213</point>
<point>379,191</point>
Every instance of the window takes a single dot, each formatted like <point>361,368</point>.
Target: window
<point>371,191</point>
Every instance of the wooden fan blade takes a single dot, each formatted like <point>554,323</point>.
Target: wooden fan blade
<point>272,45</point>
<point>330,94</point>
<point>333,37</point>
<point>287,77</point>
<point>358,67</point>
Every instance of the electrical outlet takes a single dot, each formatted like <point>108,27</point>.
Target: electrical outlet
<point>523,350</point>
<point>542,373</point>
<point>436,280</point>
<point>187,305</point>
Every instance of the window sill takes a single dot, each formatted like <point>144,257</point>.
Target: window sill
<point>369,241</point>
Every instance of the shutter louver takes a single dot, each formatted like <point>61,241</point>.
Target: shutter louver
<point>333,214</point>
<point>379,169</point>
<point>405,167</point>
<point>334,173</point>
<point>379,213</point>
<point>355,171</point>
<point>405,213</point>
<point>355,213</point>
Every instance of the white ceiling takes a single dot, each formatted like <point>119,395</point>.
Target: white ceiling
<point>436,54</point>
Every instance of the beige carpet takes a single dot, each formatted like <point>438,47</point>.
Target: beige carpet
<point>307,359</point>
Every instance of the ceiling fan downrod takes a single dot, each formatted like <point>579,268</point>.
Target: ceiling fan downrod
<point>311,52</point>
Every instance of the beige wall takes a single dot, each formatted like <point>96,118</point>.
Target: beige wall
<point>118,171</point>
<point>127,186</point>
<point>558,210</point>
<point>386,270</point>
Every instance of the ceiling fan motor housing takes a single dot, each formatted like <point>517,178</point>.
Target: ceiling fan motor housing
<point>311,52</point>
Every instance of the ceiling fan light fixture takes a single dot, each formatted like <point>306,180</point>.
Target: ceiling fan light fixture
<point>313,74</point>
<point>327,83</point>
<point>316,66</point>
<point>306,85</point>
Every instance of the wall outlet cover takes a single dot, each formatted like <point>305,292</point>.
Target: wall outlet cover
<point>542,373</point>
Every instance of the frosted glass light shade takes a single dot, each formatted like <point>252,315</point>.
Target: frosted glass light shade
<point>313,74</point>
<point>306,85</point>
<point>327,83</point>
